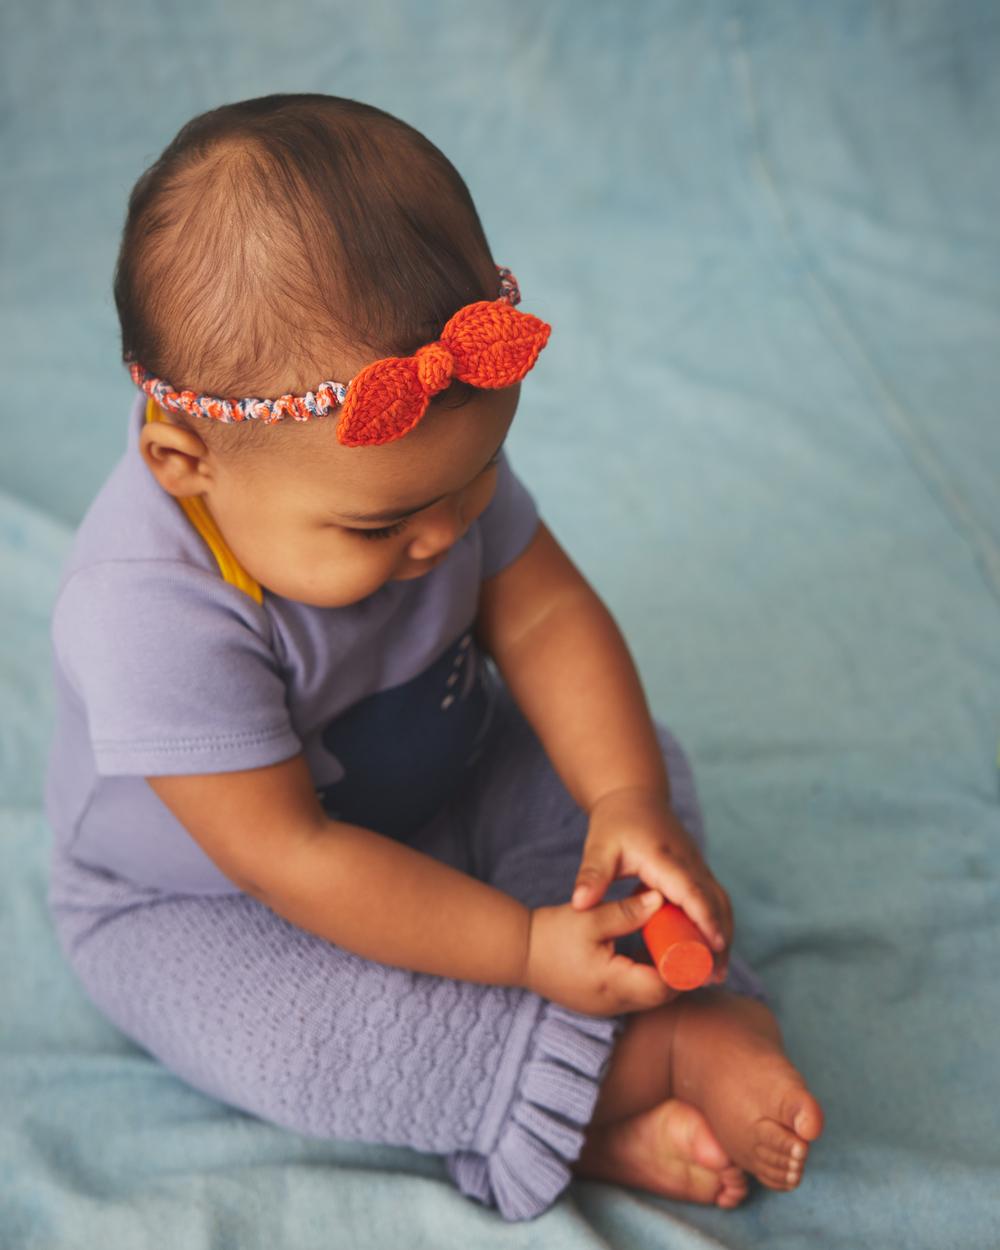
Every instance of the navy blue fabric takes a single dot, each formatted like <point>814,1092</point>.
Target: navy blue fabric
<point>423,734</point>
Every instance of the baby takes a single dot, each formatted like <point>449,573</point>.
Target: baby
<point>353,777</point>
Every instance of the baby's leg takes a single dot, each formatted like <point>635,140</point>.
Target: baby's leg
<point>268,1018</point>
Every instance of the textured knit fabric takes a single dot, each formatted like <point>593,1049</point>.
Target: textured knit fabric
<point>265,1017</point>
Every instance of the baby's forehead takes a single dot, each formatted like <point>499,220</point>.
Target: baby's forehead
<point>447,450</point>
<point>319,464</point>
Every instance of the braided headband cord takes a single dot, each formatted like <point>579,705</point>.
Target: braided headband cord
<point>487,344</point>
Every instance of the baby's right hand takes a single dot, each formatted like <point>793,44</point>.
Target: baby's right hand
<point>572,958</point>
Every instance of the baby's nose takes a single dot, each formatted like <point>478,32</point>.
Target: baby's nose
<point>440,528</point>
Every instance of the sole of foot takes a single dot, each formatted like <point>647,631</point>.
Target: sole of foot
<point>669,1150</point>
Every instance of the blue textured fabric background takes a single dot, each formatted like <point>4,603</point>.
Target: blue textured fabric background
<point>767,237</point>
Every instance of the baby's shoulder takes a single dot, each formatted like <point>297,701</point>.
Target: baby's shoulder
<point>132,520</point>
<point>136,567</point>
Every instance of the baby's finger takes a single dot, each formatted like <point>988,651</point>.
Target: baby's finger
<point>596,872</point>
<point>721,971</point>
<point>626,914</point>
<point>638,987</point>
<point>726,904</point>
<point>695,901</point>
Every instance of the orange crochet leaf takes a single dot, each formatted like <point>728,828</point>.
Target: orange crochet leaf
<point>384,402</point>
<point>493,344</point>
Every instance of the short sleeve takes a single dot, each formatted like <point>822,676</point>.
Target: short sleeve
<point>509,523</point>
<point>174,668</point>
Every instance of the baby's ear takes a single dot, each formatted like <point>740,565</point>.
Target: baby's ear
<point>177,458</point>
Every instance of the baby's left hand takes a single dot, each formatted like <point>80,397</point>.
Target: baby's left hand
<point>634,833</point>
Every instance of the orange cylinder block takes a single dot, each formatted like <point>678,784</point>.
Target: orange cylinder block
<point>680,953</point>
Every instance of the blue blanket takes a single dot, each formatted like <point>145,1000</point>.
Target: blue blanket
<point>767,238</point>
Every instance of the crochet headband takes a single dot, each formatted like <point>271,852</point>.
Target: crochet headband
<point>487,344</point>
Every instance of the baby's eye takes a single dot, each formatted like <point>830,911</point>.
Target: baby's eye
<point>388,531</point>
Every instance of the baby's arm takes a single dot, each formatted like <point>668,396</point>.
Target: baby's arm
<point>569,668</point>
<point>389,903</point>
<point>266,831</point>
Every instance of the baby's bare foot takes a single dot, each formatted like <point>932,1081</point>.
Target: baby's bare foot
<point>668,1150</point>
<point>728,1059</point>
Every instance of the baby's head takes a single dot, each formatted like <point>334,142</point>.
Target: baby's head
<point>282,242</point>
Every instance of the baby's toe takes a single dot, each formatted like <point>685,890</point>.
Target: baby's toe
<point>734,1188</point>
<point>773,1179</point>
<point>779,1139</point>
<point>779,1155</point>
<point>802,1113</point>
<point>764,1156</point>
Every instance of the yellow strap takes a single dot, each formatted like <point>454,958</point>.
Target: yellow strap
<point>203,521</point>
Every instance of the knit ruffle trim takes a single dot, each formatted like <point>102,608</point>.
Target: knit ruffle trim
<point>543,1132</point>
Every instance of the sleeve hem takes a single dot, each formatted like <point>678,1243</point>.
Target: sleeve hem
<point>186,755</point>
<point>509,557</point>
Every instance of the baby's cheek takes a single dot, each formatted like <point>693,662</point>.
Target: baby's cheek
<point>480,496</point>
<point>332,573</point>
<point>361,569</point>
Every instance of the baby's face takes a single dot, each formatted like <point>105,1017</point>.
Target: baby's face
<point>328,525</point>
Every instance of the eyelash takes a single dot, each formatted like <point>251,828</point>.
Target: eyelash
<point>390,531</point>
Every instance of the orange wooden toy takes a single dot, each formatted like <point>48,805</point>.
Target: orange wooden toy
<point>680,953</point>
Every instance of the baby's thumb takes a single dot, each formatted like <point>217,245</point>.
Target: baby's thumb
<point>593,878</point>
<point>628,914</point>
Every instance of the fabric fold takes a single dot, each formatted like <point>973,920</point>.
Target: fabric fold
<point>528,1166</point>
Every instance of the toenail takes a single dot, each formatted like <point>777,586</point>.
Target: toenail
<point>798,1151</point>
<point>793,1178</point>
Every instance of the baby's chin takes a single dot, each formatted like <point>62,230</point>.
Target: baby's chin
<point>342,596</point>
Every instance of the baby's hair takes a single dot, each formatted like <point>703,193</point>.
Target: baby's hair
<point>285,240</point>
